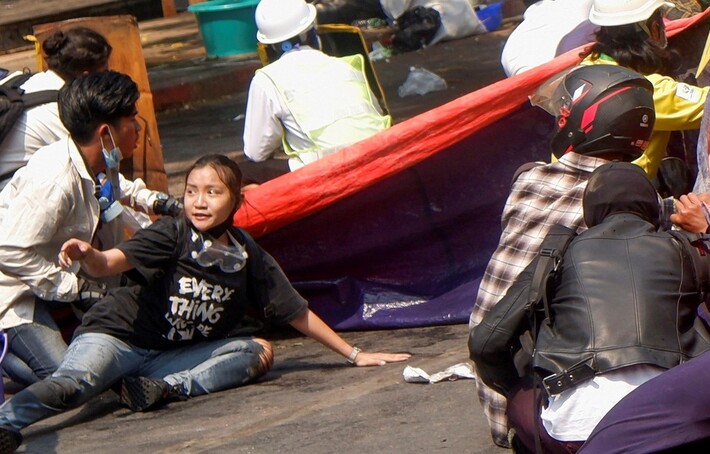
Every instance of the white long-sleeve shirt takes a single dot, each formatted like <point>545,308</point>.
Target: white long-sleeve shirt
<point>47,202</point>
<point>37,127</point>
<point>267,118</point>
<point>318,87</point>
<point>549,28</point>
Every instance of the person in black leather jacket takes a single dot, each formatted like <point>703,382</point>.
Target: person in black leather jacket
<point>622,309</point>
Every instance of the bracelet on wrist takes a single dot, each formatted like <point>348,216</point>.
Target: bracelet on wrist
<point>353,355</point>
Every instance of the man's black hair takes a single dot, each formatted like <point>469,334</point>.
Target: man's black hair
<point>88,101</point>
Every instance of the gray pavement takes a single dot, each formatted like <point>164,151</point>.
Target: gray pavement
<point>311,402</point>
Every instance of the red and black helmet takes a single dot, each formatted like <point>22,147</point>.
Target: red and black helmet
<point>599,109</point>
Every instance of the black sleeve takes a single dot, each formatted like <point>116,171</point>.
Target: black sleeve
<point>494,342</point>
<point>152,250</point>
<point>284,300</point>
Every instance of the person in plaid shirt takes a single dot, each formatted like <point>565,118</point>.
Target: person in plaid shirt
<point>594,127</point>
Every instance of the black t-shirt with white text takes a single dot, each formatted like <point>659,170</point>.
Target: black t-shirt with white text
<point>177,301</point>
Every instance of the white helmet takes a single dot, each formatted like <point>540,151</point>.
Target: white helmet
<point>621,12</point>
<point>279,20</point>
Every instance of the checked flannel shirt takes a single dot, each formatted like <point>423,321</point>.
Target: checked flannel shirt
<point>540,198</point>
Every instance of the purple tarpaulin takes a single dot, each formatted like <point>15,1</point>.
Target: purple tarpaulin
<point>411,250</point>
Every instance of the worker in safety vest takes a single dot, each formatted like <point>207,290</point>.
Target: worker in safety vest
<point>308,102</point>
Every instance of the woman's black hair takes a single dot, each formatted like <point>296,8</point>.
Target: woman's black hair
<point>88,101</point>
<point>631,48</point>
<point>70,53</point>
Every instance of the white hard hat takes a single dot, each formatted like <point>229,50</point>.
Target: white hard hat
<point>610,13</point>
<point>279,20</point>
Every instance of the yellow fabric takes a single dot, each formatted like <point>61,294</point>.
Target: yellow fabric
<point>344,36</point>
<point>673,113</point>
<point>332,104</point>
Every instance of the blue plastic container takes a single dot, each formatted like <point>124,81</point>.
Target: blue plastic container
<point>491,15</point>
<point>227,26</point>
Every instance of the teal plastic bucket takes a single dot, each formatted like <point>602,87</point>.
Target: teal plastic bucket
<point>227,26</point>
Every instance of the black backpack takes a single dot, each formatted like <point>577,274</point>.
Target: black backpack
<point>14,101</point>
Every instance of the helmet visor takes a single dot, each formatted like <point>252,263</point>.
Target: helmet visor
<point>552,95</point>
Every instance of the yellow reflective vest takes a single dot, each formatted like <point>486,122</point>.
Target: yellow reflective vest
<point>330,101</point>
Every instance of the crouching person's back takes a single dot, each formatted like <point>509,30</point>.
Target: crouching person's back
<point>620,310</point>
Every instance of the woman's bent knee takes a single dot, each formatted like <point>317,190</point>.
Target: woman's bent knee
<point>266,357</point>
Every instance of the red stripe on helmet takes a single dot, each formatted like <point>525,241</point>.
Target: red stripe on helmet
<point>591,112</point>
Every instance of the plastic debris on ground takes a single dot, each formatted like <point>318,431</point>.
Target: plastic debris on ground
<point>417,375</point>
<point>380,52</point>
<point>374,22</point>
<point>420,81</point>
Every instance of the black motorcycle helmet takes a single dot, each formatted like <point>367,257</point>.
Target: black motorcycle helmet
<point>600,109</point>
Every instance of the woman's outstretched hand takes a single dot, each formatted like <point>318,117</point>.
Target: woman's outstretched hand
<point>312,326</point>
<point>73,250</point>
<point>364,359</point>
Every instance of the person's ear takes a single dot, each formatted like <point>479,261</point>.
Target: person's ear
<point>103,135</point>
<point>656,31</point>
<point>104,129</point>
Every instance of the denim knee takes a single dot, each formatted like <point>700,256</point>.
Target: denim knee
<point>60,393</point>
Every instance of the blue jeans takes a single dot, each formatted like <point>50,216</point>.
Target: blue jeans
<point>95,361</point>
<point>35,349</point>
